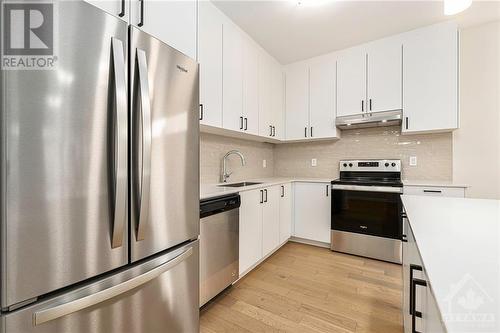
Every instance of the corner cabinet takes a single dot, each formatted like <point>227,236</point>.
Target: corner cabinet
<point>420,310</point>
<point>173,22</point>
<point>311,100</point>
<point>312,211</point>
<point>430,79</point>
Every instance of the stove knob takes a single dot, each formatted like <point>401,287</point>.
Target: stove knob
<point>350,164</point>
<point>386,164</point>
<point>345,165</point>
<point>393,164</point>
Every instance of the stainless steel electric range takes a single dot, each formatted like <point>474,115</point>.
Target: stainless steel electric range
<point>366,209</point>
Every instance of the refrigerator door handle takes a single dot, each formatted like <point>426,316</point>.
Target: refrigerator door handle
<point>120,144</point>
<point>145,178</point>
<point>64,309</point>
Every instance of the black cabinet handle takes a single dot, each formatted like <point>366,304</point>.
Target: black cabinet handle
<point>433,191</point>
<point>305,132</point>
<point>327,190</point>
<point>274,131</point>
<point>412,295</point>
<point>282,191</point>
<point>406,121</point>
<point>370,104</point>
<point>270,130</point>
<point>413,310</point>
<point>201,111</point>
<point>261,196</point>
<point>246,123</point>
<point>122,11</point>
<point>241,123</point>
<point>362,105</point>
<point>141,22</point>
<point>311,132</point>
<point>403,238</point>
<point>265,191</point>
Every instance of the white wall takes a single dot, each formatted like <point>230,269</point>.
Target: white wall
<point>476,145</point>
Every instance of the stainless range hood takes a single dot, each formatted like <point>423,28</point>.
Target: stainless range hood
<point>375,119</point>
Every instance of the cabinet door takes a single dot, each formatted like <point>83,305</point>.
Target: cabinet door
<point>115,7</point>
<point>271,220</point>
<point>232,78</point>
<point>210,59</point>
<point>322,79</point>
<point>351,82</point>
<point>297,102</point>
<point>406,279</point>
<point>173,22</point>
<point>250,229</point>
<point>384,91</point>
<point>430,79</point>
<point>285,212</point>
<point>250,86</point>
<point>433,322</point>
<point>265,96</point>
<point>277,100</point>
<point>312,209</point>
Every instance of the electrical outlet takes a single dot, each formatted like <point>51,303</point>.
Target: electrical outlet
<point>264,163</point>
<point>413,160</point>
<point>314,162</point>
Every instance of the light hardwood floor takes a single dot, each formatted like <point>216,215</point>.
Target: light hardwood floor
<point>302,288</point>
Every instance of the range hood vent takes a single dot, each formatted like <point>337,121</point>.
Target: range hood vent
<point>375,119</point>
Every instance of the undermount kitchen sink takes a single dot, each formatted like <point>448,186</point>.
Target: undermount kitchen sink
<point>241,184</point>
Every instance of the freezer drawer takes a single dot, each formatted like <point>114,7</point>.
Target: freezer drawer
<point>160,295</point>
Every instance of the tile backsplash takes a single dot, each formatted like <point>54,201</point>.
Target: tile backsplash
<point>214,147</point>
<point>433,152</point>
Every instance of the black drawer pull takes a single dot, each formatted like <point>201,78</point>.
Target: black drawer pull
<point>412,296</point>
<point>415,313</point>
<point>433,191</point>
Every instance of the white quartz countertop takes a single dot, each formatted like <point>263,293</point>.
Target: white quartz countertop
<point>459,242</point>
<point>433,183</point>
<point>215,190</point>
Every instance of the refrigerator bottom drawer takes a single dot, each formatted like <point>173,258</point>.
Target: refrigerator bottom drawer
<point>160,295</point>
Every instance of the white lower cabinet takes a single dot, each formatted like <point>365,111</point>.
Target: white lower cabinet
<point>271,219</point>
<point>426,313</point>
<point>312,211</point>
<point>261,224</point>
<point>285,212</point>
<point>433,191</point>
<point>250,229</point>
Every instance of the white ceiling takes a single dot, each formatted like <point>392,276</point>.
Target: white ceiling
<point>291,32</point>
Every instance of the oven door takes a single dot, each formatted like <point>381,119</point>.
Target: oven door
<point>369,210</point>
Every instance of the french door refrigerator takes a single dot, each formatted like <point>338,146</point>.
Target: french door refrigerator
<point>100,184</point>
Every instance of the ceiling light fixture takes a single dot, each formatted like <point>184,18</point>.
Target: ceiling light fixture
<point>452,7</point>
<point>311,3</point>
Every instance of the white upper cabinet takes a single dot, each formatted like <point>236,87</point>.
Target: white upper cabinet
<point>322,79</point>
<point>384,68</point>
<point>250,86</point>
<point>210,59</point>
<point>297,101</point>
<point>430,79</point>
<point>351,82</point>
<point>118,8</point>
<point>265,96</point>
<point>278,101</point>
<point>232,101</point>
<point>173,22</point>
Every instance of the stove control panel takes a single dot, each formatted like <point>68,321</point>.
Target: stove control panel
<point>371,165</point>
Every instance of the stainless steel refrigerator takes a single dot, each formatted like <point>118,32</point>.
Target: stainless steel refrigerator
<point>100,184</point>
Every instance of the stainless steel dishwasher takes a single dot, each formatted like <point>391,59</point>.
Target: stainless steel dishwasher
<point>219,245</point>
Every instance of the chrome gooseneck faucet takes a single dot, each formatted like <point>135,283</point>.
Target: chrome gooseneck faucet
<point>225,174</point>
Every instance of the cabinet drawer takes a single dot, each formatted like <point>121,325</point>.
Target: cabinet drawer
<point>457,192</point>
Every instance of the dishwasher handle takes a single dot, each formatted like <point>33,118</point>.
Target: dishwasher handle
<point>219,205</point>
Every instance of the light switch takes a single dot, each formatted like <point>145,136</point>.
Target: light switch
<point>264,163</point>
<point>314,162</point>
<point>413,160</point>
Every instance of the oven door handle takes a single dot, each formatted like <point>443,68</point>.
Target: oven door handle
<point>387,189</point>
